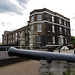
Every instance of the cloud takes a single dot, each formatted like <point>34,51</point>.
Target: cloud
<point>73,17</point>
<point>7,6</point>
<point>3,23</point>
<point>23,3</point>
<point>72,29</point>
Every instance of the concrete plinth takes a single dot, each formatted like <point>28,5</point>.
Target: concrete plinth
<point>56,68</point>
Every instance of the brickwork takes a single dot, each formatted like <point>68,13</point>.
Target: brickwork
<point>42,22</point>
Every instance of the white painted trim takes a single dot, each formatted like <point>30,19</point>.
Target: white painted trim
<point>52,45</point>
<point>58,45</point>
<point>50,22</point>
<point>36,13</point>
<point>50,14</point>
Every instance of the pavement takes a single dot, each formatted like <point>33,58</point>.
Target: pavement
<point>65,51</point>
<point>21,66</point>
<point>4,55</point>
<point>29,67</point>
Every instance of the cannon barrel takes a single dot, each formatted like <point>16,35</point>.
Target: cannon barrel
<point>39,55</point>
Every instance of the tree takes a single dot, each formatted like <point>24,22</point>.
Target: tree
<point>72,39</point>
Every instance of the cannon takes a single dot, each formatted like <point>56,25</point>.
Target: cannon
<point>41,55</point>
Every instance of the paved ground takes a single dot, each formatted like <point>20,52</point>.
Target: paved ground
<point>25,67</point>
<point>66,51</point>
<point>17,66</point>
<point>4,55</point>
<point>29,67</point>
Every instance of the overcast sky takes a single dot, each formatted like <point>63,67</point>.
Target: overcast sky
<point>14,14</point>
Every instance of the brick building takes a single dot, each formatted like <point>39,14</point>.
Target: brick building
<point>45,28</point>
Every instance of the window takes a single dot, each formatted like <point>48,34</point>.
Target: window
<point>65,31</point>
<point>58,40</point>
<point>39,17</point>
<point>60,29</point>
<point>32,18</point>
<point>65,23</point>
<point>19,33</point>
<point>49,28</point>
<point>16,38</point>
<point>59,20</point>
<point>9,37</point>
<point>53,40</point>
<point>53,28</point>
<point>26,38</point>
<point>49,39</point>
<point>68,32</point>
<point>32,27</point>
<point>16,34</point>
<point>65,40</point>
<point>39,27</point>
<point>68,40</point>
<point>52,18</point>
<point>13,35</point>
<point>9,41</point>
<point>13,40</point>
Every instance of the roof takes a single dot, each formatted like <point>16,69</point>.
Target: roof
<point>11,32</point>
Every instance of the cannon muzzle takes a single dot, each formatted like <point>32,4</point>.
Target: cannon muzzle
<point>39,55</point>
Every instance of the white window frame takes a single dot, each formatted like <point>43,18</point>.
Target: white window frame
<point>11,41</point>
<point>52,18</point>
<point>65,23</point>
<point>15,38</point>
<point>68,32</point>
<point>39,27</point>
<point>53,28</point>
<point>65,31</point>
<point>60,28</point>
<point>53,40</point>
<point>19,33</point>
<point>16,34</point>
<point>58,40</point>
<point>39,17</point>
<point>59,20</point>
<point>66,40</point>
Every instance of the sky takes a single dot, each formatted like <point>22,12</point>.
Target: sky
<point>14,14</point>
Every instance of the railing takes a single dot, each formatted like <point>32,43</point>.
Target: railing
<point>24,47</point>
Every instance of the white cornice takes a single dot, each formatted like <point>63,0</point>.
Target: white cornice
<point>49,14</point>
<point>50,23</point>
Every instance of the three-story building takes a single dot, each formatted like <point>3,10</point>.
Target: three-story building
<point>46,28</point>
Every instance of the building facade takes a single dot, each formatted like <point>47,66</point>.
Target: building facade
<point>45,28</point>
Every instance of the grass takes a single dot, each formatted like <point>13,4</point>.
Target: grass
<point>0,43</point>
